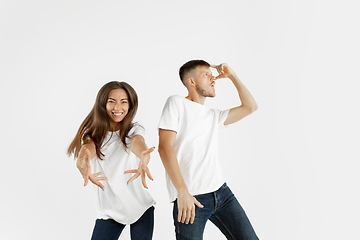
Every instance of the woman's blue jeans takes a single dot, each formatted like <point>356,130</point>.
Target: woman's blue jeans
<point>221,208</point>
<point>110,230</point>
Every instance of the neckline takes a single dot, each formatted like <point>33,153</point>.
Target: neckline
<point>195,103</point>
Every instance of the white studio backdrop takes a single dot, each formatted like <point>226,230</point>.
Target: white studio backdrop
<point>292,164</point>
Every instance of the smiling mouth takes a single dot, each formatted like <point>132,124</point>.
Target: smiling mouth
<point>117,114</point>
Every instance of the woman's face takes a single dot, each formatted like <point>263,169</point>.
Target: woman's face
<point>117,106</point>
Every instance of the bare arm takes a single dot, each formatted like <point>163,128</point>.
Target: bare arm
<point>248,103</point>
<point>87,152</point>
<point>139,148</point>
<point>186,202</point>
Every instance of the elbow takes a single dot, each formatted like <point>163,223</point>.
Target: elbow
<point>254,108</point>
<point>161,149</point>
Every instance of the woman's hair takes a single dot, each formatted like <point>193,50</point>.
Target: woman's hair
<point>97,123</point>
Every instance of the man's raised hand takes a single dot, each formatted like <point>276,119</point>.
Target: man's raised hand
<point>224,70</point>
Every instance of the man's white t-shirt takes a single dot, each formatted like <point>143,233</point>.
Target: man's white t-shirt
<point>196,144</point>
<point>120,202</point>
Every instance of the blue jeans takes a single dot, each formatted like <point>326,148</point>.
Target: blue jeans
<point>221,208</point>
<point>109,229</point>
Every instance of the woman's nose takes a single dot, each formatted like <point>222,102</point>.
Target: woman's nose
<point>117,106</point>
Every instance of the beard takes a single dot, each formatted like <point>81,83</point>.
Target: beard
<point>204,93</point>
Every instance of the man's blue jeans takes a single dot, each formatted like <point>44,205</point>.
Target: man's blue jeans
<point>221,208</point>
<point>110,230</point>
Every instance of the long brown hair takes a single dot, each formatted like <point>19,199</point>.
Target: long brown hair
<point>97,123</point>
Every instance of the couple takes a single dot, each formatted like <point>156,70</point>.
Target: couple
<point>108,142</point>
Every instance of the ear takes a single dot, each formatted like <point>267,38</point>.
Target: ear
<point>191,81</point>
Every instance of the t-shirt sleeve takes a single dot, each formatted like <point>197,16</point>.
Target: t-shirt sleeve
<point>222,116</point>
<point>169,119</point>
<point>137,129</point>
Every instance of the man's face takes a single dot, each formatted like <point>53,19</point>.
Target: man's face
<point>205,82</point>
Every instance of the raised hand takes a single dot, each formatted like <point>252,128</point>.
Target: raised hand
<point>224,70</point>
<point>143,169</point>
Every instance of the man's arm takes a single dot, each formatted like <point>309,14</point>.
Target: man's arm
<point>248,103</point>
<point>186,202</point>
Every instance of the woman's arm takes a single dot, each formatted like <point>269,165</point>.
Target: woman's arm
<point>140,149</point>
<point>87,152</point>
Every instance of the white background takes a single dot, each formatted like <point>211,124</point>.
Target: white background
<point>292,164</point>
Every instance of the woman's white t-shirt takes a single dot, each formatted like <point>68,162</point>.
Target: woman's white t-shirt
<point>120,202</point>
<point>196,144</point>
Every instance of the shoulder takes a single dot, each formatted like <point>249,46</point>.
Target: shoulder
<point>175,98</point>
<point>174,101</point>
<point>137,128</point>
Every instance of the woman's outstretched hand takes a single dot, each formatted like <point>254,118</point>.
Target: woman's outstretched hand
<point>143,168</point>
<point>83,164</point>
<point>95,179</point>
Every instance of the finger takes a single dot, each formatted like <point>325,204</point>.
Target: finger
<point>221,68</point>
<point>100,186</point>
<point>133,178</point>
<point>97,174</point>
<point>86,176</point>
<point>179,215</point>
<point>150,150</point>
<point>220,76</point>
<point>149,175</point>
<point>143,180</point>
<point>101,178</point>
<point>183,216</point>
<point>217,68</point>
<point>97,183</point>
<point>213,65</point>
<point>197,203</point>
<point>188,216</point>
<point>192,216</point>
<point>220,71</point>
<point>131,171</point>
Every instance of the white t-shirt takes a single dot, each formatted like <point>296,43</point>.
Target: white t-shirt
<point>121,202</point>
<point>196,144</point>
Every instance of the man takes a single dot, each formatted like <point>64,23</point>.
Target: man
<point>188,147</point>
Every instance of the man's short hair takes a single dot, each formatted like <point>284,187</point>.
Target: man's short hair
<point>189,66</point>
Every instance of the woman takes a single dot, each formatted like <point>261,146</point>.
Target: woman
<point>107,143</point>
